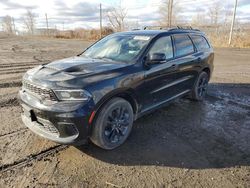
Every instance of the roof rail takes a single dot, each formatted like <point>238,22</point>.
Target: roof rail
<point>170,29</point>
<point>184,28</point>
<point>155,27</point>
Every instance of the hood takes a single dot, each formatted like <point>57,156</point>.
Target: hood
<point>69,70</point>
<point>83,65</point>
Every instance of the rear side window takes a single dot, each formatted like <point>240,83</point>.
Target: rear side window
<point>200,42</point>
<point>183,45</point>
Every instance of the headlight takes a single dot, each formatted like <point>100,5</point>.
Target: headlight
<point>64,95</point>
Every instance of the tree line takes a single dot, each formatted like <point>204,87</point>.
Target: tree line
<point>215,21</point>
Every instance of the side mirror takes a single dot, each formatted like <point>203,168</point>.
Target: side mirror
<point>156,58</point>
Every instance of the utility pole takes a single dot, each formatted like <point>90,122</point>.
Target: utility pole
<point>170,12</point>
<point>14,26</point>
<point>100,20</point>
<point>232,24</point>
<point>47,24</point>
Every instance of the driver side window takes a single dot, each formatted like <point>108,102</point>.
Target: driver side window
<point>163,45</point>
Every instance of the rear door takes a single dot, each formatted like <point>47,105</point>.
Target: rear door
<point>187,62</point>
<point>204,51</point>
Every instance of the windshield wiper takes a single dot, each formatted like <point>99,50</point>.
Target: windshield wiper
<point>104,58</point>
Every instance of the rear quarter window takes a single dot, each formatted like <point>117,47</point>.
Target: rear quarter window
<point>183,45</point>
<point>200,42</point>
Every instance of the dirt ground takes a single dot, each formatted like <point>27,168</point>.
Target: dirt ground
<point>186,144</point>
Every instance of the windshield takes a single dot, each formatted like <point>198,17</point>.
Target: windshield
<point>122,48</point>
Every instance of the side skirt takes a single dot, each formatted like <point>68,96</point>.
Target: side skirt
<point>161,104</point>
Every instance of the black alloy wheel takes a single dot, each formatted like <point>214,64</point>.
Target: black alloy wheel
<point>200,88</point>
<point>117,124</point>
<point>113,124</point>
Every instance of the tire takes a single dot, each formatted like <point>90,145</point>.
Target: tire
<point>200,88</point>
<point>112,124</point>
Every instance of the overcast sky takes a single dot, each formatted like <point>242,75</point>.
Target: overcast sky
<point>85,13</point>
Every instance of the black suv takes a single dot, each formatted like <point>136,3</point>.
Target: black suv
<point>99,93</point>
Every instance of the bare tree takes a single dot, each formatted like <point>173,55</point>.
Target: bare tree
<point>199,19</point>
<point>130,25</point>
<point>227,16</point>
<point>166,9</point>
<point>107,31</point>
<point>29,21</point>
<point>215,12</point>
<point>116,17</point>
<point>7,24</point>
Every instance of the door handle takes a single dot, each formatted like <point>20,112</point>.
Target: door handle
<point>174,66</point>
<point>198,60</point>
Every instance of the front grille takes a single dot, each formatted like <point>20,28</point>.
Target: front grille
<point>43,93</point>
<point>42,123</point>
<point>47,126</point>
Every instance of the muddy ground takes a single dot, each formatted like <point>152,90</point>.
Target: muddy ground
<point>186,144</point>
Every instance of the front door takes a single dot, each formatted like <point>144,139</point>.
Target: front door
<point>159,77</point>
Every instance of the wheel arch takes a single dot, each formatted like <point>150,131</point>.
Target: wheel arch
<point>207,70</point>
<point>127,94</point>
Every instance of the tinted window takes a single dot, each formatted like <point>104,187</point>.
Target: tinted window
<point>163,45</point>
<point>200,42</point>
<point>183,45</point>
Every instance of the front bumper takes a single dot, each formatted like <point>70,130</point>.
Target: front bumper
<point>62,122</point>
